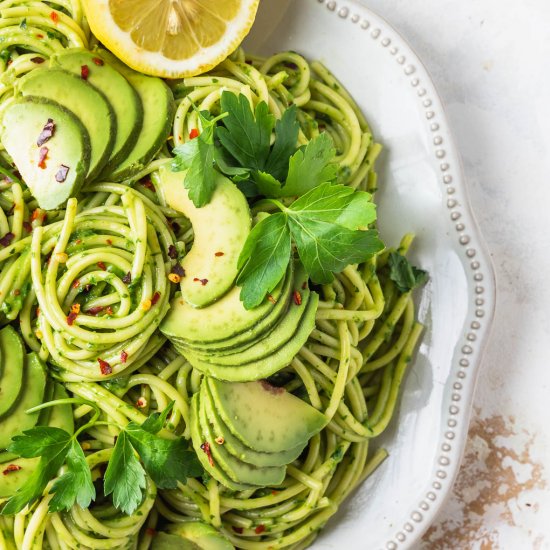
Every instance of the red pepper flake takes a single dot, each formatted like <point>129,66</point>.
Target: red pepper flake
<point>98,61</point>
<point>155,298</point>
<point>104,367</point>
<point>178,270</point>
<point>16,292</point>
<point>274,492</point>
<point>109,242</point>
<point>37,311</point>
<point>84,72</point>
<point>61,174</point>
<point>193,133</point>
<point>27,226</point>
<point>75,310</point>
<point>259,530</point>
<point>108,310</point>
<point>35,214</point>
<point>102,266</point>
<point>297,298</point>
<point>150,531</point>
<point>38,60</point>
<point>203,282</point>
<point>47,133</point>
<point>148,184</point>
<point>54,16</point>
<point>270,388</point>
<point>218,254</point>
<point>238,530</point>
<point>304,285</point>
<point>123,357</point>
<point>39,36</point>
<point>12,468</point>
<point>271,299</point>
<point>95,310</point>
<point>78,241</point>
<point>206,448</point>
<point>76,283</point>
<point>127,279</point>
<point>172,252</point>
<point>7,239</point>
<point>42,156</point>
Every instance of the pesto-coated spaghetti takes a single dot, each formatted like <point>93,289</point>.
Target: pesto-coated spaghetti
<point>88,286</point>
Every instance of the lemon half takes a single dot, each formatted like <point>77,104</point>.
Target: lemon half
<point>171,38</point>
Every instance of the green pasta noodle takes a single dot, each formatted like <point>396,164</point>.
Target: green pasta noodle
<point>106,257</point>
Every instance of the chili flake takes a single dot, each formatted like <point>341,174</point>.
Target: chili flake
<point>94,310</point>
<point>27,226</point>
<point>84,72</point>
<point>75,310</point>
<point>150,531</point>
<point>218,254</point>
<point>62,173</point>
<point>148,184</point>
<point>174,278</point>
<point>297,298</point>
<point>109,242</point>
<point>104,367</point>
<point>274,492</point>
<point>127,279</point>
<point>203,282</point>
<point>123,357</point>
<point>47,133</point>
<point>172,252</point>
<point>304,285</point>
<point>193,133</point>
<point>271,299</point>
<point>7,239</point>
<point>260,529</point>
<point>178,270</point>
<point>98,61</point>
<point>16,292</point>
<point>238,530</point>
<point>205,447</point>
<point>42,156</point>
<point>12,468</point>
<point>109,310</point>
<point>76,283</point>
<point>101,266</point>
<point>54,16</point>
<point>155,298</point>
<point>141,403</point>
<point>38,60</point>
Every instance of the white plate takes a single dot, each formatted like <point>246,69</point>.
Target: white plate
<point>422,190</point>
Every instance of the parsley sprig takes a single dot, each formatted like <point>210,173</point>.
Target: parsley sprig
<point>329,224</point>
<point>166,461</point>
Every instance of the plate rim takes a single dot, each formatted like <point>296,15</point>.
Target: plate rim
<point>466,365</point>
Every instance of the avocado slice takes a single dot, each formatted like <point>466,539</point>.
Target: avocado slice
<point>198,439</point>
<point>265,418</point>
<point>262,368</point>
<point>68,151</point>
<point>82,99</point>
<point>221,228</point>
<point>236,469</point>
<point>236,447</point>
<point>12,353</point>
<point>34,383</point>
<point>124,100</point>
<point>61,416</point>
<point>225,323</point>
<point>191,535</point>
<point>261,328</point>
<point>266,344</point>
<point>158,113</point>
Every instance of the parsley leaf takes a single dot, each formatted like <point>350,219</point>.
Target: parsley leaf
<point>286,136</point>
<point>155,422</point>
<point>75,485</point>
<point>124,477</point>
<point>311,166</point>
<point>264,259</point>
<point>246,135</point>
<point>52,445</point>
<point>405,276</point>
<point>197,157</point>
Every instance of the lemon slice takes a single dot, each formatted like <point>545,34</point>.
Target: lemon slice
<point>171,38</point>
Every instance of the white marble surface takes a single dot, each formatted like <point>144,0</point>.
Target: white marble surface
<point>490,60</point>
